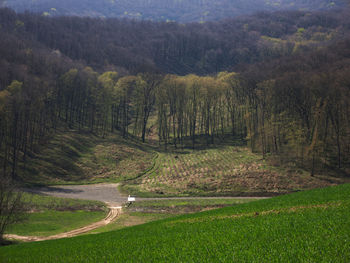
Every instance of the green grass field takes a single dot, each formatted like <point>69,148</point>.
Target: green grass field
<point>51,215</point>
<point>310,226</point>
<point>227,170</point>
<point>142,212</point>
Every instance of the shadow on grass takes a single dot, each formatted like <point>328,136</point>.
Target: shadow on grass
<point>51,189</point>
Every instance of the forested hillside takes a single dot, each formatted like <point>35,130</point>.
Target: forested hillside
<point>179,49</point>
<point>288,97</point>
<point>166,10</point>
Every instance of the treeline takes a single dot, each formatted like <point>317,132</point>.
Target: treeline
<point>162,10</point>
<point>299,108</point>
<point>130,46</point>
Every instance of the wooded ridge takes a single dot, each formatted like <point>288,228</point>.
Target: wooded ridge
<point>166,10</point>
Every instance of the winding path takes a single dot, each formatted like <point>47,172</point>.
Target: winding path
<point>107,193</point>
<point>114,212</point>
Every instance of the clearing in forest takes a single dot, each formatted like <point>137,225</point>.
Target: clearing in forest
<point>223,171</point>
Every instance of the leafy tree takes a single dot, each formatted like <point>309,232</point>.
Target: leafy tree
<point>12,209</point>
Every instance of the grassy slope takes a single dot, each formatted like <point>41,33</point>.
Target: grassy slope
<point>146,211</point>
<point>222,170</point>
<point>228,168</point>
<point>51,215</point>
<point>75,158</point>
<point>311,226</point>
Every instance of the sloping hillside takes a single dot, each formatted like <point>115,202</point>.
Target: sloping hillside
<point>73,157</point>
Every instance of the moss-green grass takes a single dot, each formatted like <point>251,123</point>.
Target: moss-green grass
<point>52,215</point>
<point>49,223</point>
<point>43,202</point>
<point>146,211</point>
<point>190,202</point>
<point>311,226</point>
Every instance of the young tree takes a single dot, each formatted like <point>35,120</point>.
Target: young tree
<point>12,208</point>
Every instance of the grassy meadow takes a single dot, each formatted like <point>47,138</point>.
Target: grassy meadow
<point>308,226</point>
<point>52,215</point>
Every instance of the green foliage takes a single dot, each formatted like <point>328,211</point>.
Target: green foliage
<point>301,30</point>
<point>15,87</point>
<point>310,226</point>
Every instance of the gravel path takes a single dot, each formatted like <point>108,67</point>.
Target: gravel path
<point>107,193</point>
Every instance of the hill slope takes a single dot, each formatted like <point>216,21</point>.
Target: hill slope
<point>310,226</point>
<point>73,157</point>
<point>181,11</point>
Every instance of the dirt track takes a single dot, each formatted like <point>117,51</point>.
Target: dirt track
<point>107,193</point>
<point>114,212</point>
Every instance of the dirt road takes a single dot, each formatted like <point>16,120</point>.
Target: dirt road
<point>107,193</point>
<point>114,212</point>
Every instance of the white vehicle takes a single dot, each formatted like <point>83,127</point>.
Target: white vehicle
<point>131,198</point>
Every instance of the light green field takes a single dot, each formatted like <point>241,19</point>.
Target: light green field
<point>49,223</point>
<point>146,211</point>
<point>51,215</point>
<point>310,226</point>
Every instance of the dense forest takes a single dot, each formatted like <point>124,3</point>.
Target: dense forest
<point>179,49</point>
<point>280,81</point>
<point>166,10</point>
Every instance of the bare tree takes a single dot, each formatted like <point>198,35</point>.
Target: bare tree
<point>12,207</point>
